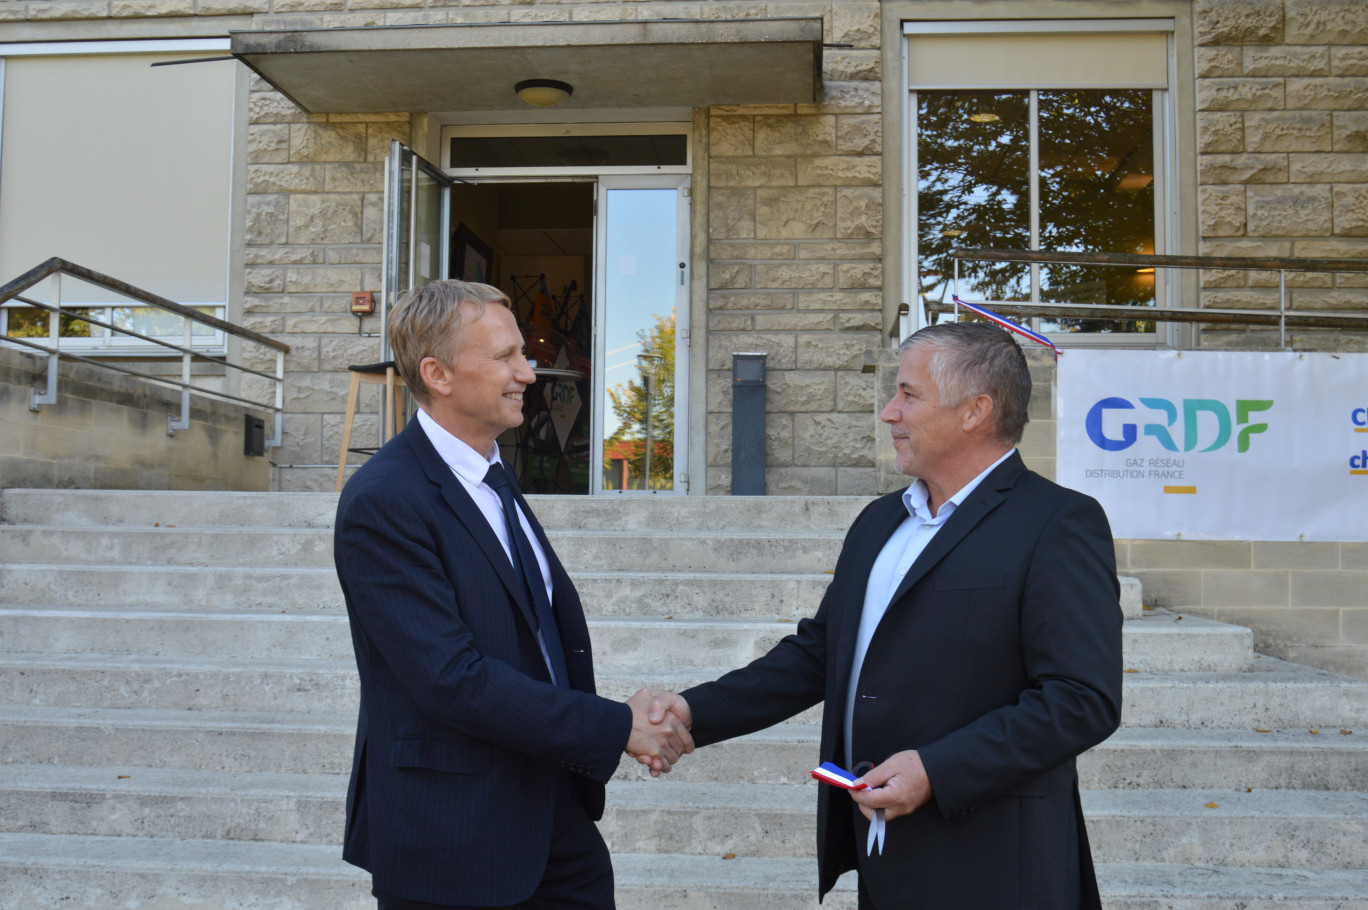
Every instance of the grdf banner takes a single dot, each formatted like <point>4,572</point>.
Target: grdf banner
<point>1218,446</point>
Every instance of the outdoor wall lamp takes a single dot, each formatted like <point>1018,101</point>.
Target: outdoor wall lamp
<point>543,92</point>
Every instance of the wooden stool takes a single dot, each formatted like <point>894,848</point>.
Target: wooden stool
<point>378,373</point>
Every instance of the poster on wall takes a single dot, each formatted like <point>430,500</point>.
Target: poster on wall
<point>1218,445</point>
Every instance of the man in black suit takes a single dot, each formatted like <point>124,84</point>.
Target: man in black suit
<point>968,648</point>
<point>481,748</point>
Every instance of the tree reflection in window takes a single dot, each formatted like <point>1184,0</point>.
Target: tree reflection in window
<point>1095,193</point>
<point>973,190</point>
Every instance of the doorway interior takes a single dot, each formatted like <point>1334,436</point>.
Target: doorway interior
<point>594,270</point>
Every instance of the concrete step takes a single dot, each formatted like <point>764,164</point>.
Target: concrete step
<point>317,510</point>
<point>1307,829</point>
<point>57,872</point>
<point>192,740</point>
<point>48,872</point>
<point>121,545</point>
<point>175,632</point>
<point>1146,886</point>
<point>755,595</point>
<point>322,744</point>
<point>741,595</point>
<point>278,685</point>
<point>1268,828</point>
<point>783,551</point>
<point>147,508</point>
<point>235,588</point>
<point>174,803</point>
<point>1157,642</point>
<point>761,552</point>
<point>1284,696</point>
<point>1272,694</point>
<point>1131,759</point>
<point>1274,828</point>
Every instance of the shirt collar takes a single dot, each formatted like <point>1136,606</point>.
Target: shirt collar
<point>458,455</point>
<point>917,498</point>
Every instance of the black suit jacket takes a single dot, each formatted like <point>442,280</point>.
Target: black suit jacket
<point>999,659</point>
<point>461,736</point>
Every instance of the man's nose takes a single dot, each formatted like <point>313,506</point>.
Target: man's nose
<point>889,414</point>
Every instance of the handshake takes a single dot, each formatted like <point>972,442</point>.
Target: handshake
<point>660,729</point>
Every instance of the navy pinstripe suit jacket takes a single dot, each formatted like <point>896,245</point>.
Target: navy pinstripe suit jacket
<point>461,736</point>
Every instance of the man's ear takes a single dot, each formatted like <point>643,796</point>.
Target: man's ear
<point>979,414</point>
<point>435,376</point>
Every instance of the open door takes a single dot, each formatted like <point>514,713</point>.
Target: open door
<point>417,228</point>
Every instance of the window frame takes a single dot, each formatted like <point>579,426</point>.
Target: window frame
<point>512,130</point>
<point>1166,151</point>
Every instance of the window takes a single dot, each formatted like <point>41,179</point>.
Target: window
<point>1028,141</point>
<point>124,168</point>
<point>549,149</point>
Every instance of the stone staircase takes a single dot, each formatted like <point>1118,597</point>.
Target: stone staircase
<point>177,705</point>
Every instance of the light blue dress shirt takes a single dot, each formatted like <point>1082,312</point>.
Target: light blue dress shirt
<point>891,566</point>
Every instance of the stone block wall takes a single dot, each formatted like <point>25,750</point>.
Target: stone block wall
<point>1304,601</point>
<point>795,227</point>
<point>108,432</point>
<point>1282,102</point>
<point>314,225</point>
<point>789,195</point>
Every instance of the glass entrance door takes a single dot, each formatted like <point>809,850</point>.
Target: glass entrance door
<point>640,385</point>
<point>417,215</point>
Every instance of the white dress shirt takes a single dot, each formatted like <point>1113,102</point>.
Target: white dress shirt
<point>470,468</point>
<point>891,566</point>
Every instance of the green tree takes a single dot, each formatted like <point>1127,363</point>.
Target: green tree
<point>656,366</point>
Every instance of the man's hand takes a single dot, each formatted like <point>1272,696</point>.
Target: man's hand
<point>899,786</point>
<point>673,703</point>
<point>657,742</point>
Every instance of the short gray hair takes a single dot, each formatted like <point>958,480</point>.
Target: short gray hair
<point>978,358</point>
<point>427,323</point>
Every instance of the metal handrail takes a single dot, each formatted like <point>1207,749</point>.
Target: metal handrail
<point>56,267</point>
<point>1123,312</point>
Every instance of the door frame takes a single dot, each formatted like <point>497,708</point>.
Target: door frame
<point>681,184</point>
<point>400,271</point>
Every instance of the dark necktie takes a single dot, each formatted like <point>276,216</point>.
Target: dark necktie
<point>525,565</point>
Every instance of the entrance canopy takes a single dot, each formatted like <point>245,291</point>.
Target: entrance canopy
<point>648,64</point>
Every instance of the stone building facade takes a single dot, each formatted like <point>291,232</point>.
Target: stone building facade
<point>797,207</point>
<point>800,227</point>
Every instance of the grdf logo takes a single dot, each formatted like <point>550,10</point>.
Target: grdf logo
<point>1192,408</point>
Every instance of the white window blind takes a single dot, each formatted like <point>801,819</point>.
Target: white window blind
<point>119,166</point>
<point>1064,59</point>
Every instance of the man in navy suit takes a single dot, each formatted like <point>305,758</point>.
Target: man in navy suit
<point>481,749</point>
<point>967,650</point>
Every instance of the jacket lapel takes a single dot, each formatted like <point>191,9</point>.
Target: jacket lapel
<point>884,519</point>
<point>469,514</point>
<point>987,496</point>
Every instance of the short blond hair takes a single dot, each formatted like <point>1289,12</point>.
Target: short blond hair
<point>427,323</point>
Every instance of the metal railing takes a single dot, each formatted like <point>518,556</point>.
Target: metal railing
<point>1283,318</point>
<point>55,268</point>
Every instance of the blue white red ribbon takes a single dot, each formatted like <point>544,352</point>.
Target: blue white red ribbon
<point>837,776</point>
<point>829,773</point>
<point>1007,324</point>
